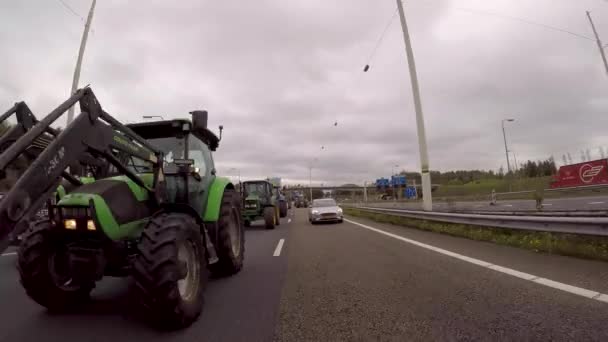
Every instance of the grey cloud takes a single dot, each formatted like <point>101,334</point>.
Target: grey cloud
<point>278,74</point>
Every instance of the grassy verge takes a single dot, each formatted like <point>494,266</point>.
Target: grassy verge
<point>485,187</point>
<point>588,247</point>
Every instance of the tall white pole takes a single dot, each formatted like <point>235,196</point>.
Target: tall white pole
<point>504,135</point>
<point>598,42</point>
<point>427,200</point>
<point>310,181</point>
<point>83,44</point>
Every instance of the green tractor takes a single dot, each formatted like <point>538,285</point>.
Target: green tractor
<point>260,201</point>
<point>164,218</point>
<point>24,121</point>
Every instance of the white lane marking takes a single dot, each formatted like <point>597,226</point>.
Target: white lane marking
<point>289,220</point>
<point>277,251</point>
<point>547,205</point>
<point>596,203</point>
<point>9,254</point>
<point>509,271</point>
<point>507,205</point>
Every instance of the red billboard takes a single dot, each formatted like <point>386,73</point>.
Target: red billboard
<point>589,173</point>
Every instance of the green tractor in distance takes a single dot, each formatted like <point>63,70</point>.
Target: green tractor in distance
<point>260,201</point>
<point>164,218</point>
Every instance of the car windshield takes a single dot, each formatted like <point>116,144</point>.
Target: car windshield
<point>323,203</point>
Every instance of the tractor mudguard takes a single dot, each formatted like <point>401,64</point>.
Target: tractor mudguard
<point>214,198</point>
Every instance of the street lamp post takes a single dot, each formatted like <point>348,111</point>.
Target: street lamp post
<point>427,200</point>
<point>310,178</point>
<point>83,44</point>
<point>504,135</point>
<point>393,181</point>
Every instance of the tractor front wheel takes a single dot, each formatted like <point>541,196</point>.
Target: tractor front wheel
<point>170,270</point>
<point>44,271</point>
<point>270,217</point>
<point>231,237</point>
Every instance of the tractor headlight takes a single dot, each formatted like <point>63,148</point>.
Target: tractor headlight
<point>91,225</point>
<point>70,224</point>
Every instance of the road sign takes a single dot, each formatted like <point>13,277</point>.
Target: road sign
<point>398,181</point>
<point>410,192</point>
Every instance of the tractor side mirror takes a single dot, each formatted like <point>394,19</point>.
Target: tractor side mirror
<point>199,119</point>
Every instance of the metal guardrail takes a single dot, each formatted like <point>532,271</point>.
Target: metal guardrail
<point>573,188</point>
<point>574,225</point>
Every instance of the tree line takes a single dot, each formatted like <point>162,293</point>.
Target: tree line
<point>529,169</point>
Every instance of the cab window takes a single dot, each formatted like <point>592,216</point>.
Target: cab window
<point>199,152</point>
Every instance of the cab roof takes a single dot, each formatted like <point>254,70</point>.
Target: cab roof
<point>174,128</point>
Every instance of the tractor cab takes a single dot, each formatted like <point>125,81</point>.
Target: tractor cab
<point>186,147</point>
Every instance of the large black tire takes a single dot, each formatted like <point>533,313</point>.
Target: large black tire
<point>231,237</point>
<point>270,217</point>
<point>247,223</point>
<point>158,269</point>
<point>37,254</point>
<point>283,209</point>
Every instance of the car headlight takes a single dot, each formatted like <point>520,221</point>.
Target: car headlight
<point>339,210</point>
<point>315,212</point>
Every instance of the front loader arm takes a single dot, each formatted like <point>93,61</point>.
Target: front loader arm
<point>86,135</point>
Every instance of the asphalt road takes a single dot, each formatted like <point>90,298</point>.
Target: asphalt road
<point>348,282</point>
<point>592,203</point>
<point>243,307</point>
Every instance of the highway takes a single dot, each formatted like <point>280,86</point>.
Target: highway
<point>355,281</point>
<point>592,203</point>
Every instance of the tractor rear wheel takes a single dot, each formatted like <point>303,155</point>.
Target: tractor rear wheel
<point>270,217</point>
<point>231,237</point>
<point>170,270</point>
<point>247,223</point>
<point>44,271</point>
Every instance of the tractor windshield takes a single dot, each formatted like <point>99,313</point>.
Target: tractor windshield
<point>172,147</point>
<point>255,188</point>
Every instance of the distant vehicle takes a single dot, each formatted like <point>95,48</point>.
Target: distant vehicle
<point>325,210</point>
<point>260,201</point>
<point>301,202</point>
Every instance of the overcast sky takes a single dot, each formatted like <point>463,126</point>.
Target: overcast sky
<point>279,73</point>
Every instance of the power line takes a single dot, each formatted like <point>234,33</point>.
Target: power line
<point>523,20</point>
<point>379,41</point>
<point>69,8</point>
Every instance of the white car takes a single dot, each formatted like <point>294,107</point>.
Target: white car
<point>325,210</point>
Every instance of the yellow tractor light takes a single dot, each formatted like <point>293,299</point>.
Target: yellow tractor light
<point>70,224</point>
<point>91,225</point>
